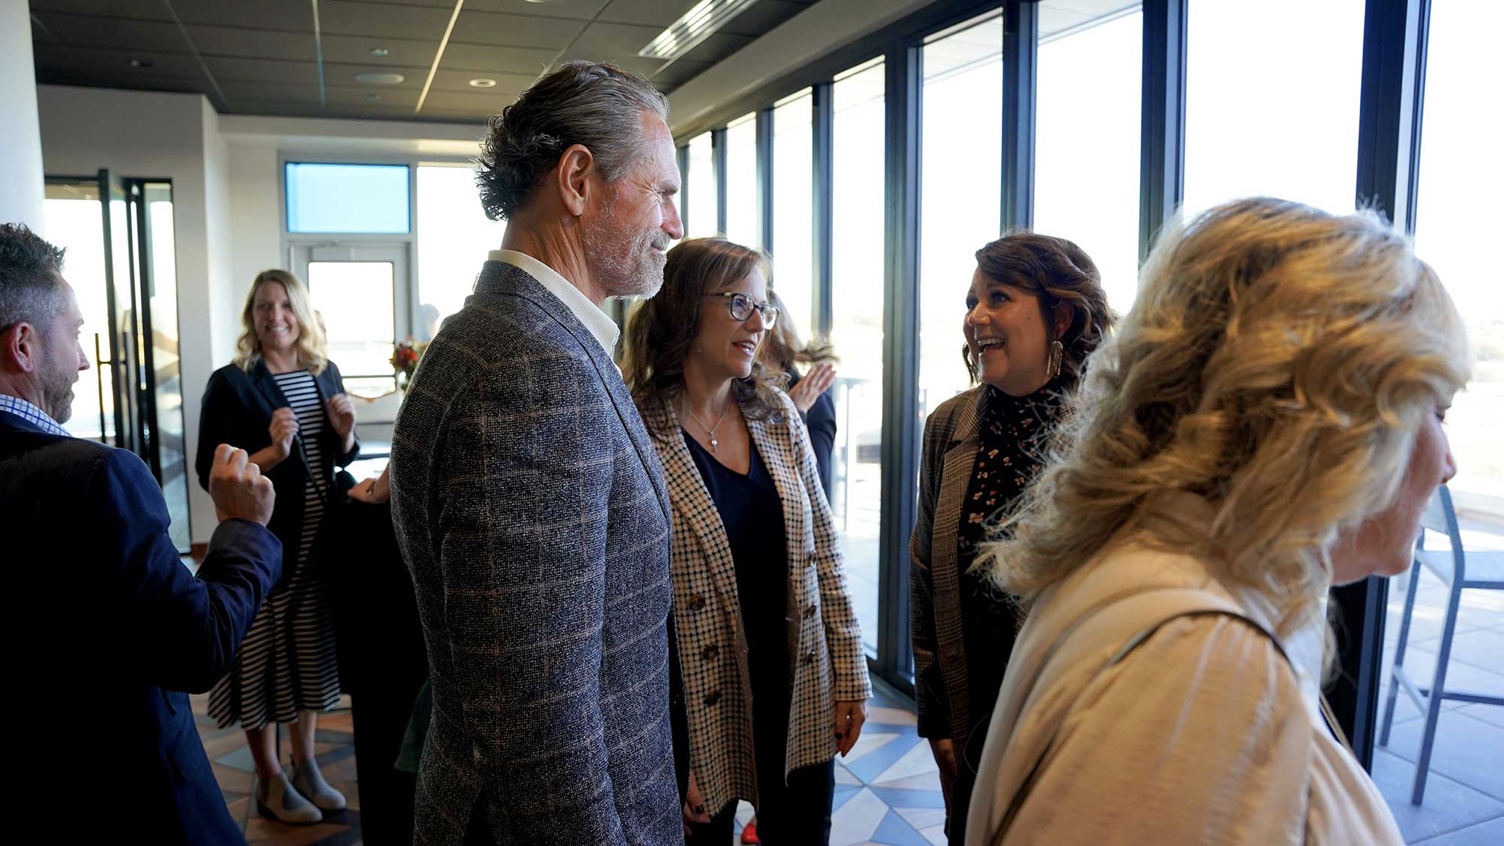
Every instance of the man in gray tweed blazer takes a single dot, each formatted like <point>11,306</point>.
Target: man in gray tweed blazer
<point>527,496</point>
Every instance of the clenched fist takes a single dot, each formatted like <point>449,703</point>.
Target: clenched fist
<point>341,415</point>
<point>283,428</point>
<point>238,488</point>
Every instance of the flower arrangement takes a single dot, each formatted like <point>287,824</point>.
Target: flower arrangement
<point>405,358</point>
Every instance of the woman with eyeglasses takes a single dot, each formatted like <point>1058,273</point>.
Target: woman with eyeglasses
<point>1034,311</point>
<point>770,653</point>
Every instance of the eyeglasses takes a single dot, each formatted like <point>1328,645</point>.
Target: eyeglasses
<point>741,306</point>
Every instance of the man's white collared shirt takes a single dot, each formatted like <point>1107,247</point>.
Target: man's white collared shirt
<point>598,322</point>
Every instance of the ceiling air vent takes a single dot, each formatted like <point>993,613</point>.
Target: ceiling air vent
<point>698,23</point>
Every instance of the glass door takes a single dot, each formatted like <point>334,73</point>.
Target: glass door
<point>362,294</point>
<point>120,262</point>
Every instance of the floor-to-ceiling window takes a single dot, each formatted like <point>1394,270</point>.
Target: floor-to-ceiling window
<point>1461,181</point>
<point>703,194</point>
<point>857,329</point>
<point>960,193</point>
<point>743,203</point>
<point>793,214</point>
<point>454,237</point>
<point>1086,173</point>
<point>1272,96</point>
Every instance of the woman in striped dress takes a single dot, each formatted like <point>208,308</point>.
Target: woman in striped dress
<point>284,402</point>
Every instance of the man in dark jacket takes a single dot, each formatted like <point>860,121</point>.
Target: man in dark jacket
<point>528,499</point>
<point>117,626</point>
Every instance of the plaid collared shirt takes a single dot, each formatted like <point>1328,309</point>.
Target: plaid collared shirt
<point>31,414</point>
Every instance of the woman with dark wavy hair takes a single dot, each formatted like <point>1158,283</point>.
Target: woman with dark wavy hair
<point>775,680</point>
<point>1035,310</point>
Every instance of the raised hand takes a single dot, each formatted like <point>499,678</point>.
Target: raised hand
<point>816,382</point>
<point>239,490</point>
<point>341,415</point>
<point>283,428</point>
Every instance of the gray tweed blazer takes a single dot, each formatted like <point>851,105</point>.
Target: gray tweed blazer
<point>530,507</point>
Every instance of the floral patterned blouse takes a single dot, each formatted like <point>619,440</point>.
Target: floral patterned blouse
<point>1010,445</point>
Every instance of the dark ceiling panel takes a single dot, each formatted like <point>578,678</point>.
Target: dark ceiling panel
<point>344,18</point>
<point>362,111</point>
<point>262,53</point>
<point>459,81</point>
<point>113,8</point>
<point>678,73</point>
<point>582,10</point>
<point>480,105</point>
<point>655,13</point>
<point>240,92</point>
<point>762,16</point>
<point>717,47</point>
<point>91,31</point>
<point>87,80</point>
<point>291,15</point>
<point>401,52</point>
<point>254,43</point>
<point>233,69</point>
<point>603,42</point>
<point>110,64</point>
<point>515,30</point>
<point>484,57</point>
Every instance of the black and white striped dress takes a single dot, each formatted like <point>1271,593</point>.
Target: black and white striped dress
<point>287,662</point>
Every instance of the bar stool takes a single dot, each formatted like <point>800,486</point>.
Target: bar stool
<point>1459,571</point>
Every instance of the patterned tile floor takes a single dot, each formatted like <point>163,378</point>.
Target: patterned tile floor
<point>887,789</point>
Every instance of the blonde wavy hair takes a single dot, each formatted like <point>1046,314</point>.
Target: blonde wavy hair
<point>313,349</point>
<point>1278,363</point>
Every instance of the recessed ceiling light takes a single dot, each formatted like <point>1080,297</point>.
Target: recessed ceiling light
<point>373,96</point>
<point>377,78</point>
<point>537,1</point>
<point>139,63</point>
<point>482,82</point>
<point>378,51</point>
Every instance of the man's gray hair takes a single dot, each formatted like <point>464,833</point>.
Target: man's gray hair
<point>31,278</point>
<point>598,106</point>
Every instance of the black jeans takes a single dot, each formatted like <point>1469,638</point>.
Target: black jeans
<point>794,815</point>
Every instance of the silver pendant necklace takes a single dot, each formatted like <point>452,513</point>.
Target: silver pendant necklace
<point>715,445</point>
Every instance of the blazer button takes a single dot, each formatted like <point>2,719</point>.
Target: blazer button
<point>711,652</point>
<point>809,611</point>
<point>713,698</point>
<point>697,603</point>
<point>809,656</point>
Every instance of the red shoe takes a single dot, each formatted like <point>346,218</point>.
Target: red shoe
<point>749,833</point>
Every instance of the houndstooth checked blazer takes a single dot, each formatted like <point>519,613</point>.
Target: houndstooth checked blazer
<point>531,511</point>
<point>825,641</point>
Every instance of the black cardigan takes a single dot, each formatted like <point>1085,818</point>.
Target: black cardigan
<point>237,410</point>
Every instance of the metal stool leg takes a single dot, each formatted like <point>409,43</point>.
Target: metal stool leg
<point>1434,695</point>
<point>1399,653</point>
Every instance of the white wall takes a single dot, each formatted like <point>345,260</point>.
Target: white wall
<point>255,213</point>
<point>159,135</point>
<point>21,164</point>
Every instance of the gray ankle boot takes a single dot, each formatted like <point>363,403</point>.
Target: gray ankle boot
<point>310,782</point>
<point>277,799</point>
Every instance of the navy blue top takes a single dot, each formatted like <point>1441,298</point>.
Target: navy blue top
<point>752,513</point>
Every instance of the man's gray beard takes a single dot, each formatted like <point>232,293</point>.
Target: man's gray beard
<point>616,272</point>
<point>59,406</point>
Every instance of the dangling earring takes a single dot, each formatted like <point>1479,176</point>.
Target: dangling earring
<point>1057,358</point>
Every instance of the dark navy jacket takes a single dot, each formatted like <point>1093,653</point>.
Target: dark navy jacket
<point>107,628</point>
<point>237,410</point>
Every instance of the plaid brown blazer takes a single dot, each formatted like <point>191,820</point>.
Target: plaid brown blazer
<point>531,511</point>
<point>825,641</point>
<point>949,452</point>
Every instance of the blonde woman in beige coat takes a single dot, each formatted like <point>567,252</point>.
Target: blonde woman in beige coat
<point>775,679</point>
<point>1266,424</point>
